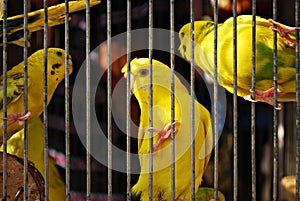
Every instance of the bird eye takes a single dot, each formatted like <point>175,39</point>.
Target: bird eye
<point>181,35</point>
<point>58,54</point>
<point>144,72</point>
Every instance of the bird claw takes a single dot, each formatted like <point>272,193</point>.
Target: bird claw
<point>162,134</point>
<point>20,118</point>
<point>283,32</point>
<point>265,96</point>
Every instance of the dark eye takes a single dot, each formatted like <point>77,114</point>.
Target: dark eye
<point>181,35</point>
<point>144,72</point>
<point>58,54</point>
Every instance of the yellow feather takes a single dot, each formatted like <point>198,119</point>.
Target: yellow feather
<point>204,55</point>
<point>139,75</point>
<point>56,16</point>
<point>15,85</point>
<point>15,146</point>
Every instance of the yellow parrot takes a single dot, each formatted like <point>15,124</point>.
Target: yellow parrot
<point>139,76</point>
<point>15,146</point>
<point>56,16</point>
<point>264,89</point>
<point>15,87</point>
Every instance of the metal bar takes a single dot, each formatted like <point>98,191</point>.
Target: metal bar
<point>253,147</point>
<point>215,136</point>
<point>25,180</point>
<point>45,113</point>
<point>150,97</point>
<point>109,101</point>
<point>67,104</point>
<point>235,111</point>
<point>88,102</point>
<point>172,62</point>
<point>192,20</point>
<point>275,112</point>
<point>128,95</point>
<point>4,63</point>
<point>297,101</point>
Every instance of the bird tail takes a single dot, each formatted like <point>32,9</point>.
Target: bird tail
<point>56,16</point>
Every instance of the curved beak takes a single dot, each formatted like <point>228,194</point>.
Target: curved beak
<point>132,77</point>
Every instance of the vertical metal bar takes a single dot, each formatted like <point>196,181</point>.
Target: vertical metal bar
<point>215,136</point>
<point>150,96</point>
<point>109,101</point>
<point>192,20</point>
<point>253,158</point>
<point>275,112</point>
<point>128,108</point>
<point>67,103</point>
<point>45,114</point>
<point>4,187</point>
<point>172,62</point>
<point>297,101</point>
<point>25,11</point>
<point>88,102</point>
<point>235,112</point>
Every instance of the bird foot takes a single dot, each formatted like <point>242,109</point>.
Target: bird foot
<point>162,134</point>
<point>265,96</point>
<point>20,118</point>
<point>283,32</point>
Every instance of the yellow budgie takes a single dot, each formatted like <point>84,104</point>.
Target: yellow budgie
<point>15,87</point>
<point>204,56</point>
<point>15,146</point>
<point>139,75</point>
<point>56,16</point>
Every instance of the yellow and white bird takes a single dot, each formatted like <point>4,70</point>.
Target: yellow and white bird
<point>15,146</point>
<point>15,87</point>
<point>139,75</point>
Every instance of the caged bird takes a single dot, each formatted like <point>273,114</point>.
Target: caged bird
<point>264,89</point>
<point>15,146</point>
<point>56,16</point>
<point>35,81</point>
<point>162,129</point>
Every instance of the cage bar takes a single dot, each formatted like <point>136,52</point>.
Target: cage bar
<point>128,106</point>
<point>109,101</point>
<point>235,112</point>
<point>172,64</point>
<point>4,63</point>
<point>297,100</point>
<point>67,104</point>
<point>88,101</point>
<point>215,127</point>
<point>192,69</point>
<point>150,55</point>
<point>275,111</point>
<point>45,90</point>
<point>253,136</point>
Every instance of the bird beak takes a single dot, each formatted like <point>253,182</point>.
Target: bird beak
<point>70,63</point>
<point>132,77</point>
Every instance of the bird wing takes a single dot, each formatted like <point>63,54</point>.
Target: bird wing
<point>15,88</point>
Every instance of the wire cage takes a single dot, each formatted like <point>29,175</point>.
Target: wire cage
<point>83,144</point>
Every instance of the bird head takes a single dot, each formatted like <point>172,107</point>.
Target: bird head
<point>139,74</point>
<point>56,64</point>
<point>201,28</point>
